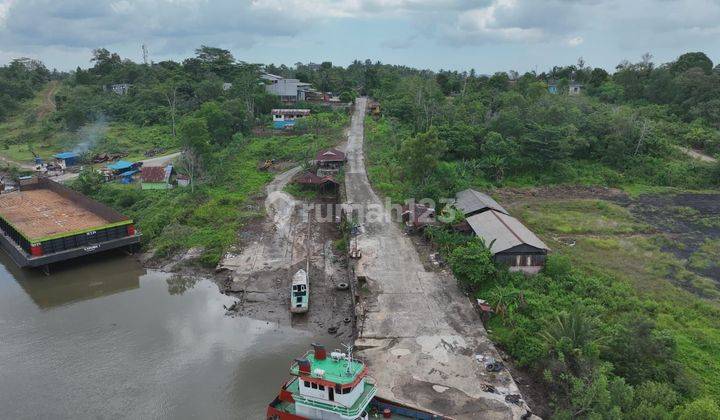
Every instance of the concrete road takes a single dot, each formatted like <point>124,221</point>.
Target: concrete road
<point>419,334</point>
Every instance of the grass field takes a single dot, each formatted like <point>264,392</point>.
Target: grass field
<point>25,130</point>
<point>606,239</point>
<point>173,221</point>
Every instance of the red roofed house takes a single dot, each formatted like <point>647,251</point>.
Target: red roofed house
<point>310,179</point>
<point>329,161</point>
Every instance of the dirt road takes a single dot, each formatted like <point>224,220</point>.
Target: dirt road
<point>697,155</point>
<point>419,334</point>
<point>48,105</point>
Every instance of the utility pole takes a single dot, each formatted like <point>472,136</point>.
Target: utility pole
<point>145,54</point>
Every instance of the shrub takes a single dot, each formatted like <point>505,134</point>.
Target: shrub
<point>473,264</point>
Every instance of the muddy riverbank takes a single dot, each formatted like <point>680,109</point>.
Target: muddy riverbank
<point>274,248</point>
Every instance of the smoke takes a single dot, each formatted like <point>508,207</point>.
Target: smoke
<point>90,134</point>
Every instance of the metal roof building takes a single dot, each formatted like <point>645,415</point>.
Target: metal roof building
<point>474,202</point>
<point>509,241</point>
<point>503,232</point>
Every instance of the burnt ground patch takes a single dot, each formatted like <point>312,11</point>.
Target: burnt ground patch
<point>691,223</point>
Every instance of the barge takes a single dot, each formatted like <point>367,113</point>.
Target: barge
<point>45,222</point>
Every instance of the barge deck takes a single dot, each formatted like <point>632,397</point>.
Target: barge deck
<point>45,223</point>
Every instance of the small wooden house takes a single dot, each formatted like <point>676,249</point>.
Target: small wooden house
<point>329,161</point>
<point>324,183</point>
<point>183,180</point>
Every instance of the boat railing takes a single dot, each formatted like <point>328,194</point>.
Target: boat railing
<point>353,411</point>
<point>309,352</point>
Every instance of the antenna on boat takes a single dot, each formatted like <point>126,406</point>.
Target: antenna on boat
<point>349,358</point>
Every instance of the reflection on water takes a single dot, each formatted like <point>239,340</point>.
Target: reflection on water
<point>104,338</point>
<point>87,278</point>
<point>179,284</point>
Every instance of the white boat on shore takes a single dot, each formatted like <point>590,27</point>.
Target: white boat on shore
<point>300,292</point>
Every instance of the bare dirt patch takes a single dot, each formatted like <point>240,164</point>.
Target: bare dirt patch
<point>274,248</point>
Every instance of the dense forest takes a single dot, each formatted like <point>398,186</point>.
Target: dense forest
<point>600,348</point>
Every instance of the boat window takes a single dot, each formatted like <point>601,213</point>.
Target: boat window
<point>307,384</point>
<point>346,390</point>
<point>321,387</point>
<point>314,385</point>
<point>299,299</point>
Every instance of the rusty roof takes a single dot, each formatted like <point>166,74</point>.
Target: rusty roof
<point>154,174</point>
<point>290,111</point>
<point>309,178</point>
<point>330,155</point>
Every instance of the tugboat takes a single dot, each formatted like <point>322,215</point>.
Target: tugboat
<point>300,293</point>
<point>324,386</point>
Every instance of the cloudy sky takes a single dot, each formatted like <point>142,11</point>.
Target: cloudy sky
<point>487,35</point>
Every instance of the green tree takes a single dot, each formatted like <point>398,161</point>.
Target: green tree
<point>218,121</point>
<point>215,60</point>
<point>691,60</point>
<point>473,264</point>
<point>571,337</point>
<point>194,139</point>
<point>611,92</point>
<point>89,181</point>
<point>639,352</point>
<point>701,409</point>
<point>498,154</point>
<point>421,154</point>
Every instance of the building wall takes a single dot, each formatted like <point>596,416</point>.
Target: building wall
<point>523,258</point>
<point>154,185</point>
<point>284,88</point>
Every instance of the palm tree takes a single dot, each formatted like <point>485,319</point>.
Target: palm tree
<point>570,336</point>
<point>572,328</point>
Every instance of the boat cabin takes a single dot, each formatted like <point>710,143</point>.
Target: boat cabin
<point>299,295</point>
<point>324,386</point>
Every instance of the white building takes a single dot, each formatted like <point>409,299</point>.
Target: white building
<point>289,90</point>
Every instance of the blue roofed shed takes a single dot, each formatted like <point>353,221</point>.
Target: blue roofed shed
<point>68,158</point>
<point>127,176</point>
<point>121,166</point>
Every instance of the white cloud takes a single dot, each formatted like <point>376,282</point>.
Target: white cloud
<point>172,28</point>
<point>4,7</point>
<point>575,41</point>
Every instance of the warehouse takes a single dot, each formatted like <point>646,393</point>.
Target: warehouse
<point>510,242</point>
<point>45,222</point>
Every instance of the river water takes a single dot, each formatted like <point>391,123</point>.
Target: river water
<point>105,338</point>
